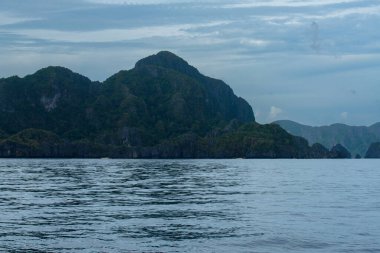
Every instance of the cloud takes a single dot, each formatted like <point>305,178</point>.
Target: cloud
<point>254,42</point>
<point>274,112</point>
<point>102,36</point>
<point>370,10</point>
<point>144,2</point>
<point>114,35</point>
<point>336,15</point>
<point>285,3</point>
<point>141,2</point>
<point>227,4</point>
<point>7,18</point>
<point>344,115</point>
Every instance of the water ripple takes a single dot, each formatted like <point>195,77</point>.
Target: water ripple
<point>189,206</point>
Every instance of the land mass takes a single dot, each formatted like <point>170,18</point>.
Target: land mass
<point>373,151</point>
<point>357,139</point>
<point>162,108</point>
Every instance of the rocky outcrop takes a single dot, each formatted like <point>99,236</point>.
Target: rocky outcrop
<point>373,151</point>
<point>338,151</point>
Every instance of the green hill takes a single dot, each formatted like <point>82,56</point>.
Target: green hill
<point>162,108</point>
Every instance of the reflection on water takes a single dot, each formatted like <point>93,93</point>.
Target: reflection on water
<point>189,206</point>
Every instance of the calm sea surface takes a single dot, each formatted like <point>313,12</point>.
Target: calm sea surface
<point>190,206</point>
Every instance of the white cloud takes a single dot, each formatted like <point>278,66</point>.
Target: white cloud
<point>274,112</point>
<point>285,3</point>
<point>145,2</point>
<point>254,42</point>
<point>108,35</point>
<point>113,35</point>
<point>7,18</point>
<point>297,19</point>
<point>344,115</point>
<point>372,10</point>
<point>340,13</point>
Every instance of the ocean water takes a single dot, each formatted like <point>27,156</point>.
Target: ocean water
<point>190,206</point>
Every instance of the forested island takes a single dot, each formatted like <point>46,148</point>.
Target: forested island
<point>162,108</point>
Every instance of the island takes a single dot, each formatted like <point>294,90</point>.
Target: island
<point>162,108</point>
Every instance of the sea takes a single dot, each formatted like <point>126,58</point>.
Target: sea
<point>263,206</point>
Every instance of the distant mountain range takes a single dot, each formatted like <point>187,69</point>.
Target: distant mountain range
<point>162,108</point>
<point>357,139</point>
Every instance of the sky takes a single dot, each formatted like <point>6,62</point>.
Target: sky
<point>316,62</point>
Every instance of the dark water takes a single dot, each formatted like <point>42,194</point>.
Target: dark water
<point>189,206</point>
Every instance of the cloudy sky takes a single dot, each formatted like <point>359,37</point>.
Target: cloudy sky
<point>313,61</point>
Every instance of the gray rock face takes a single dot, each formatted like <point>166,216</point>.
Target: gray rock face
<point>50,103</point>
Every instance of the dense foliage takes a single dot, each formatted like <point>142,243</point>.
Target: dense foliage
<point>162,108</point>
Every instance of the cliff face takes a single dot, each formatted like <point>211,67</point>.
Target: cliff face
<point>356,139</point>
<point>162,108</point>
